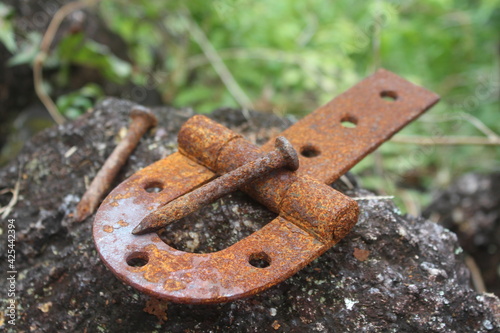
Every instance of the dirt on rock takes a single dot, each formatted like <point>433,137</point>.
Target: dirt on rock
<point>392,273</point>
<point>470,207</point>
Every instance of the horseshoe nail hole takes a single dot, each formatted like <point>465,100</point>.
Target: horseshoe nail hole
<point>309,151</point>
<point>259,260</point>
<point>153,187</point>
<point>137,259</point>
<point>349,122</point>
<point>389,95</point>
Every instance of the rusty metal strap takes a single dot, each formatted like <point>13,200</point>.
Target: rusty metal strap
<point>378,107</point>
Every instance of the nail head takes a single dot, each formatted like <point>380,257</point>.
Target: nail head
<point>288,152</point>
<point>144,112</point>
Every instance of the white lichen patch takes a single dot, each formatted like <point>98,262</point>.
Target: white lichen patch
<point>349,303</point>
<point>488,325</point>
<point>402,231</point>
<point>433,271</point>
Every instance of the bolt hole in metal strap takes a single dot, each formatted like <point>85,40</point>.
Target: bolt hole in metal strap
<point>312,216</point>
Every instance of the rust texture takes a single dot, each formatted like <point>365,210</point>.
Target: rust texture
<point>142,120</point>
<point>312,216</point>
<point>339,134</point>
<point>283,156</point>
<point>321,211</point>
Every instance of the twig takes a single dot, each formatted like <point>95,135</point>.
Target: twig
<point>217,63</point>
<point>491,139</point>
<point>411,204</point>
<point>446,140</point>
<point>5,190</point>
<point>374,197</point>
<point>41,93</point>
<point>5,211</point>
<point>309,31</point>
<point>347,182</point>
<point>477,278</point>
<point>480,126</point>
<point>42,55</point>
<point>376,40</point>
<point>474,121</point>
<point>379,170</point>
<point>248,54</point>
<point>267,55</point>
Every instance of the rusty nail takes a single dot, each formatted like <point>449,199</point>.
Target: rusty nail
<point>142,120</point>
<point>284,155</point>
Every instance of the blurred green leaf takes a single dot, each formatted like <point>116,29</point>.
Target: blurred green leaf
<point>74,104</point>
<point>28,50</point>
<point>195,95</point>
<point>7,35</point>
<point>76,49</point>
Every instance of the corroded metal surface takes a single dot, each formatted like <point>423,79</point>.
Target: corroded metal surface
<point>191,277</point>
<point>283,156</point>
<point>378,107</point>
<point>312,216</point>
<point>320,210</point>
<point>214,277</point>
<point>142,120</point>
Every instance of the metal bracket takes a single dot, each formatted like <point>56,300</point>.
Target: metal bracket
<point>312,216</point>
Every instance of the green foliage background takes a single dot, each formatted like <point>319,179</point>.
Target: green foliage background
<point>289,57</point>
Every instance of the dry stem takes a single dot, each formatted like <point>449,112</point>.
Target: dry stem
<point>47,40</point>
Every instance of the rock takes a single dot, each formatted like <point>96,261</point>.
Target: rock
<point>390,274</point>
<point>471,209</point>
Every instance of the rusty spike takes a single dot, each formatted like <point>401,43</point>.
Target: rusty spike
<point>142,120</point>
<point>283,156</point>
